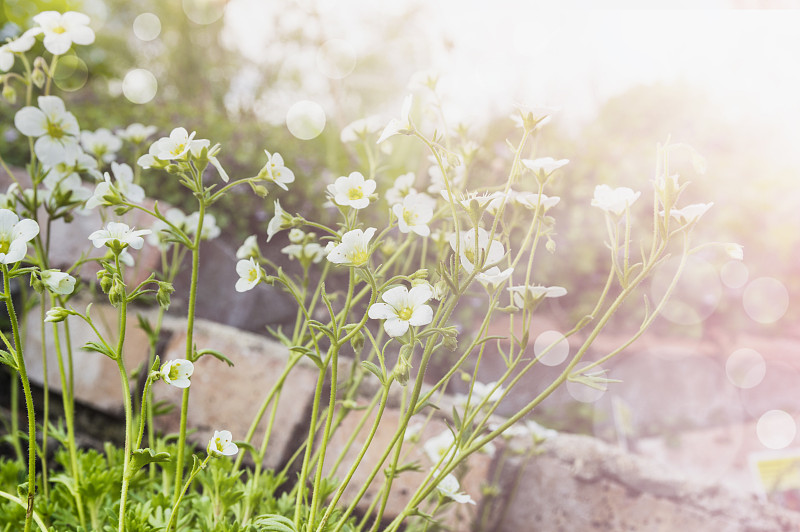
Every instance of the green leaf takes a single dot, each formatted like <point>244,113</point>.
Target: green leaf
<point>275,523</point>
<point>142,457</point>
<point>8,360</point>
<point>214,353</point>
<point>100,348</point>
<point>374,369</point>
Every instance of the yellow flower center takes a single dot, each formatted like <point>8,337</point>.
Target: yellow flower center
<point>405,313</point>
<point>178,149</point>
<point>252,275</point>
<point>410,217</point>
<point>358,257</point>
<point>55,130</point>
<point>355,193</point>
<point>5,243</point>
<point>59,29</point>
<point>470,254</point>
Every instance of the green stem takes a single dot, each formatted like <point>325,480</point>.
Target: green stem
<point>174,515</point>
<point>26,389</point>
<point>19,501</point>
<point>126,396</point>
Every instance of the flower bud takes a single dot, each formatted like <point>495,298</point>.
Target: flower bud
<point>551,245</point>
<point>116,294</point>
<point>9,94</point>
<point>163,294</point>
<point>106,280</point>
<point>57,314</point>
<point>402,370</point>
<point>38,78</point>
<point>357,342</point>
<point>37,284</point>
<point>450,343</point>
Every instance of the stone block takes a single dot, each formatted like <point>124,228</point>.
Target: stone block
<point>96,377</point>
<point>228,398</point>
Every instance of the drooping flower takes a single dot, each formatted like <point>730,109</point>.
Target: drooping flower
<point>544,164</point>
<point>119,234</point>
<point>690,213</point>
<point>534,293</point>
<point>353,190</point>
<point>56,130</point>
<point>101,143</point>
<point>123,185</point>
<point>177,372</point>
<point>414,213</point>
<point>21,44</point>
<point>280,220</point>
<point>275,170</point>
<point>403,307</point>
<point>614,200</point>
<point>402,125</point>
<point>221,444</point>
<point>61,30</point>
<point>14,236</point>
<point>58,282</point>
<point>354,248</point>
<point>448,486</point>
<point>249,274</point>
<point>196,148</point>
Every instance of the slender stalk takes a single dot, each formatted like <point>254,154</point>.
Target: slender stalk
<point>127,403</point>
<point>26,390</point>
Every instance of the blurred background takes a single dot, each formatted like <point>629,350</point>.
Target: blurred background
<point>720,76</point>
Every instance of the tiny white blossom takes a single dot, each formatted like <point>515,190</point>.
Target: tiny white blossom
<point>528,200</point>
<point>353,190</point>
<point>221,444</point>
<point>544,164</point>
<point>177,372</point>
<point>101,143</point>
<point>311,251</point>
<point>62,30</point>
<point>414,213</point>
<point>160,228</point>
<point>176,146</point>
<point>124,185</point>
<point>280,220</point>
<point>14,236</point>
<point>469,243</point>
<point>440,447</point>
<point>58,282</point>
<point>136,133</point>
<point>196,148</point>
<point>121,233</point>
<point>403,125</point>
<point>249,274</point>
<point>354,248</point>
<point>614,200</point>
<point>690,213</point>
<point>403,307</point>
<point>535,293</point>
<point>21,44</point>
<point>56,130</point>
<point>735,251</point>
<point>403,186</point>
<point>361,128</point>
<point>275,170</point>
<point>249,248</point>
<point>448,486</point>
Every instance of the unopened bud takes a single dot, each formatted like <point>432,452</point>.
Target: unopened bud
<point>357,342</point>
<point>116,294</point>
<point>38,78</point>
<point>57,314</point>
<point>163,294</point>
<point>106,280</point>
<point>9,94</point>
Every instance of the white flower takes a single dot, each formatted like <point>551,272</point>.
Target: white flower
<point>403,125</point>
<point>23,43</point>
<point>160,228</point>
<point>353,190</point>
<point>735,251</point>
<point>535,116</point>
<point>354,248</point>
<point>276,171</point>
<point>14,236</point>
<point>66,174</point>
<point>280,220</point>
<point>221,444</point>
<point>544,164</point>
<point>491,252</point>
<point>176,146</point>
<point>690,213</point>
<point>529,200</point>
<point>61,30</point>
<point>196,148</point>
<point>361,128</point>
<point>414,214</point>
<point>311,251</point>
<point>58,282</point>
<point>402,187</point>
<point>124,185</point>
<point>534,293</point>
<point>120,233</point>
<point>249,274</point>
<point>101,143</point>
<point>448,486</point>
<point>136,132</point>
<point>403,307</point>
<point>249,248</point>
<point>210,229</point>
<point>440,447</point>
<point>177,372</point>
<point>296,235</point>
<point>614,200</point>
<point>55,129</point>
<point>467,201</point>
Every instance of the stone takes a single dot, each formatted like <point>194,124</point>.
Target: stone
<point>228,398</point>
